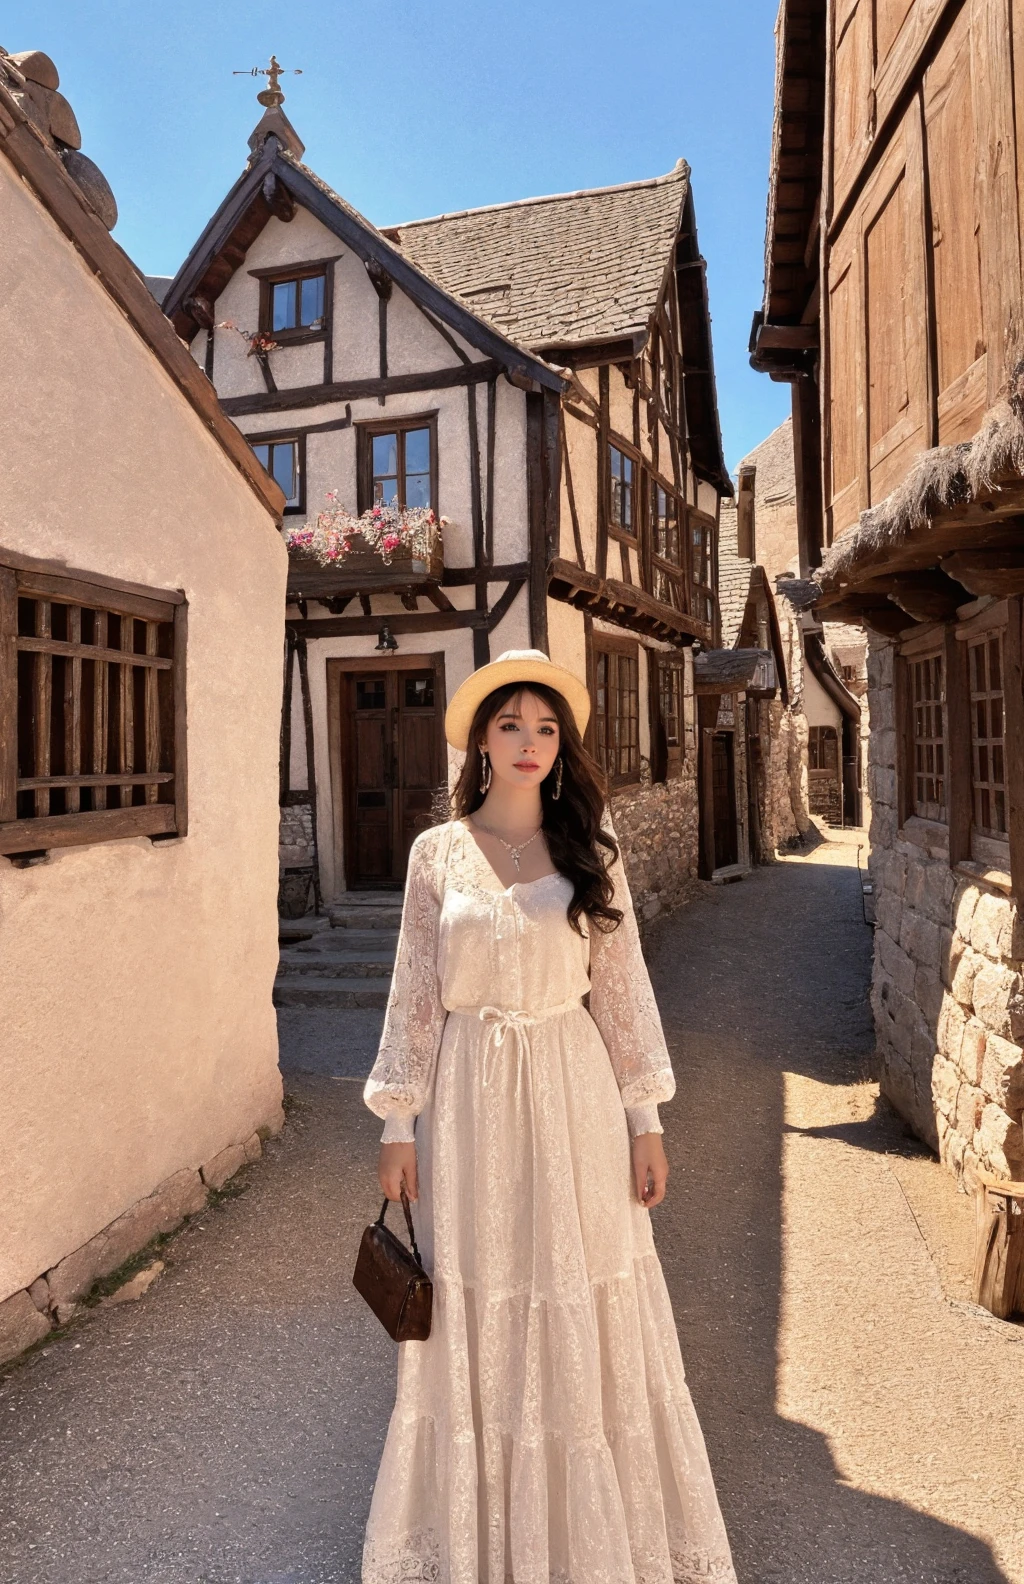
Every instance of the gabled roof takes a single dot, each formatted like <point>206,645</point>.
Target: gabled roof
<point>272,183</point>
<point>68,202</point>
<point>574,267</point>
<point>586,269</point>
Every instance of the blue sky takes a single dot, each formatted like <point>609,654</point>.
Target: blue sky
<point>413,107</point>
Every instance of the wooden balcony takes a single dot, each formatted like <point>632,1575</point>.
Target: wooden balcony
<point>363,571</point>
<point>623,603</point>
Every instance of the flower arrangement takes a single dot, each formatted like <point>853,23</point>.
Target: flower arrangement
<point>259,342</point>
<point>384,529</point>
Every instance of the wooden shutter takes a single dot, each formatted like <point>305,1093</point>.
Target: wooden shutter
<point>845,375</point>
<point>853,100</point>
<point>895,291</point>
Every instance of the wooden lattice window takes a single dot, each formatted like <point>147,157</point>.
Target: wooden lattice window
<point>823,749</point>
<point>988,775</point>
<point>92,711</point>
<point>667,722</point>
<point>702,543</point>
<point>667,548</point>
<point>927,692</point>
<point>617,710</point>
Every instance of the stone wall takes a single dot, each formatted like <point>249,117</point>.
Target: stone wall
<point>787,776</point>
<point>946,990</point>
<point>658,827</point>
<point>296,836</point>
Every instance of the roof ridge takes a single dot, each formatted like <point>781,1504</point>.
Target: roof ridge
<point>679,172</point>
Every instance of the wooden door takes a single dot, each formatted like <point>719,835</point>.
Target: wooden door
<point>723,787</point>
<point>392,762</point>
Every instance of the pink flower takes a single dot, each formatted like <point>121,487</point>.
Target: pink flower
<point>392,541</point>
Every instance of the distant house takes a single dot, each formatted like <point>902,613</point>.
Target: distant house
<point>142,582</point>
<point>539,374</point>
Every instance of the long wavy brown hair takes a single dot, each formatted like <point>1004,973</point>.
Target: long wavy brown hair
<point>579,848</point>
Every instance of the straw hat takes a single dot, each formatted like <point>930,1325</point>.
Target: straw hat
<point>515,665</point>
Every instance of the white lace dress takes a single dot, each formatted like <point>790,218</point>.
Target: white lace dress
<point>544,1434</point>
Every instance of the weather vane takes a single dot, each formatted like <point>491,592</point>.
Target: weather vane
<point>271,94</point>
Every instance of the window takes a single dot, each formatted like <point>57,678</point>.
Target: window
<point>668,724</point>
<point>94,745</point>
<point>283,460</point>
<point>622,516</point>
<point>823,749</point>
<point>927,689</point>
<point>667,548</point>
<point>398,463</point>
<point>702,548</point>
<point>295,302</point>
<point>988,784</point>
<point>616,710</point>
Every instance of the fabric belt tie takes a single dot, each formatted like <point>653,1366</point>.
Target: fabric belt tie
<point>505,1023</point>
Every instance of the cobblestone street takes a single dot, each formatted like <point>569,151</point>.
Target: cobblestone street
<point>226,1428</point>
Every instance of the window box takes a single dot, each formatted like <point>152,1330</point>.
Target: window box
<point>362,568</point>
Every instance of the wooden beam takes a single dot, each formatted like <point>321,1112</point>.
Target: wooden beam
<point>787,338</point>
<point>72,830</point>
<point>997,572</point>
<point>398,622</point>
<point>367,244</point>
<point>355,390</point>
<point>536,523</point>
<point>490,574</point>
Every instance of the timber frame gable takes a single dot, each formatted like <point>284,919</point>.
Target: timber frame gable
<point>276,183</point>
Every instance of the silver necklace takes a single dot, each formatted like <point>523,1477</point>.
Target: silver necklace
<point>514,850</point>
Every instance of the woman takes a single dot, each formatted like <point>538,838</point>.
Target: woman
<point>544,1433</point>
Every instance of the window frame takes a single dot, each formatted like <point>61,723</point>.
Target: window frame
<point>703,596</point>
<point>127,711</point>
<point>297,438</point>
<point>301,335</point>
<point>667,759</point>
<point>609,646</point>
<point>367,430</point>
<point>677,573</point>
<point>628,536</point>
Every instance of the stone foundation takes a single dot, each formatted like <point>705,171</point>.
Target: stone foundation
<point>658,825</point>
<point>296,838</point>
<point>946,988</point>
<point>53,1298</point>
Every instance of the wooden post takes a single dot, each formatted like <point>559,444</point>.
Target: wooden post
<point>307,715</point>
<point>999,1246</point>
<point>8,694</point>
<point>286,717</point>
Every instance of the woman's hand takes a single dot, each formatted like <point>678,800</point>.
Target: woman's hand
<point>397,1164</point>
<point>650,1168</point>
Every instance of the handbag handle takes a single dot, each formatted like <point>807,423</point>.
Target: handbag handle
<point>408,1221</point>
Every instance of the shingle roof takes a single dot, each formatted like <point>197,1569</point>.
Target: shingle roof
<point>574,267</point>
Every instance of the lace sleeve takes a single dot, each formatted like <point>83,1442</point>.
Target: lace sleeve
<point>622,1005</point>
<point>414,1019</point>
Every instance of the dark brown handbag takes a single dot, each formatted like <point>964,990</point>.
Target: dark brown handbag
<point>393,1281</point>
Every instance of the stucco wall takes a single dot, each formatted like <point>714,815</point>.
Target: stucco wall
<point>135,977</point>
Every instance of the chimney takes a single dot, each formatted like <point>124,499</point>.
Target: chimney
<point>746,539</point>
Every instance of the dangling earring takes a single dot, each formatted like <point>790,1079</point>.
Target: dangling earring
<point>485,779</point>
<point>558,778</point>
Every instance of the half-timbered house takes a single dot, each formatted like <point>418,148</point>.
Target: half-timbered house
<point>893,304</point>
<point>141,585</point>
<point>538,374</point>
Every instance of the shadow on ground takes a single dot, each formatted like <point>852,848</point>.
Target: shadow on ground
<point>767,978</point>
<point>227,1429</point>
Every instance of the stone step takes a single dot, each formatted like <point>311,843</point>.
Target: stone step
<point>337,965</point>
<point>306,990</point>
<point>365,918</point>
<point>349,940</point>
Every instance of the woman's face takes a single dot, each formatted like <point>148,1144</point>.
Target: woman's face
<point>522,740</point>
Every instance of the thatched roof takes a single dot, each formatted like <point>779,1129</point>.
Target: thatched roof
<point>943,478</point>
